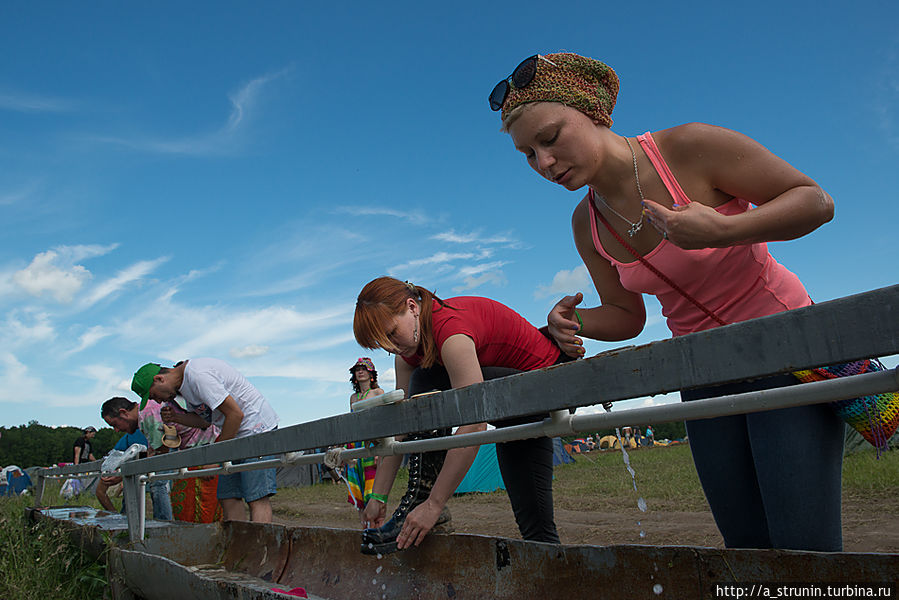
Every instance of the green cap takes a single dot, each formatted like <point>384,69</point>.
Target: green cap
<point>143,380</point>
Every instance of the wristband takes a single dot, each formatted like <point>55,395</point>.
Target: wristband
<point>382,498</point>
<point>579,321</point>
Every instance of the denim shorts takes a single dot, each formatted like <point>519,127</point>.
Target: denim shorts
<point>248,485</point>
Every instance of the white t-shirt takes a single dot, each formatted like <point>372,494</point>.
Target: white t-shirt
<point>208,381</point>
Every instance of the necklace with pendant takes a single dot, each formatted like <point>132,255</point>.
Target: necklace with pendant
<point>634,227</point>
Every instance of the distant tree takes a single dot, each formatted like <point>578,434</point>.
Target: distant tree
<point>38,445</point>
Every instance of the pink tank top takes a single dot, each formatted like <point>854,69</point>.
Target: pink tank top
<point>736,283</point>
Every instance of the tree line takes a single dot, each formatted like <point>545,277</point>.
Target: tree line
<point>36,445</point>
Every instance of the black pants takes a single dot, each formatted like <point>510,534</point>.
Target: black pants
<point>526,465</point>
<point>772,478</point>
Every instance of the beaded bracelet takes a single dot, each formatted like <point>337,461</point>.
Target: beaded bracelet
<point>579,320</point>
<point>379,497</point>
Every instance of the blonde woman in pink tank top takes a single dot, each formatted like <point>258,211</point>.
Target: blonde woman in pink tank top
<point>685,214</point>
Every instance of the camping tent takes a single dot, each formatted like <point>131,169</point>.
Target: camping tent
<point>483,476</point>
<point>560,455</point>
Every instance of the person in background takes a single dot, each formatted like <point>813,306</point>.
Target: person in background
<point>212,387</point>
<point>361,473</point>
<point>108,481</point>
<point>123,416</point>
<point>82,450</point>
<point>685,214</point>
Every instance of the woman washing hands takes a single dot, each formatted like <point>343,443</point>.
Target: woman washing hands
<point>685,214</point>
<point>446,344</point>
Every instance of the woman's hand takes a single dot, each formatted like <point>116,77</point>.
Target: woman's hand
<point>418,523</point>
<point>374,514</point>
<point>689,226</point>
<point>563,325</point>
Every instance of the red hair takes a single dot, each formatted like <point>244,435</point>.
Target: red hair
<point>383,299</point>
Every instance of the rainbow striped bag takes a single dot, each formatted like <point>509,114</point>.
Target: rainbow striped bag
<point>874,417</point>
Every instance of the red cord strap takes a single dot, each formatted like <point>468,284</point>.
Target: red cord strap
<point>658,273</point>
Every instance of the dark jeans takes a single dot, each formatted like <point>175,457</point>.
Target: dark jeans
<point>772,478</point>
<point>526,465</point>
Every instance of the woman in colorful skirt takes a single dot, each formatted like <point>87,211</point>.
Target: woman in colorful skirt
<point>361,473</point>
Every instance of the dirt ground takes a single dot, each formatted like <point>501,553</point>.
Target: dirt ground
<point>868,526</point>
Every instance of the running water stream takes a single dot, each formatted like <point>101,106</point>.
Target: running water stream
<point>641,502</point>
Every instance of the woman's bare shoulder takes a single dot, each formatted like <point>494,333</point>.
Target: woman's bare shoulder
<point>581,214</point>
<point>692,138</point>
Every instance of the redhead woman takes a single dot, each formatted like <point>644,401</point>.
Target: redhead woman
<point>684,214</point>
<point>445,344</point>
<point>360,474</point>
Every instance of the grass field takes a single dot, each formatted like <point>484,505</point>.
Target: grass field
<point>665,477</point>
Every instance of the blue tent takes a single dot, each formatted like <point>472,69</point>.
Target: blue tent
<point>560,454</point>
<point>483,476</point>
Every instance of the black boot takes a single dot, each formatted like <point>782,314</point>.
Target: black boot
<point>423,470</point>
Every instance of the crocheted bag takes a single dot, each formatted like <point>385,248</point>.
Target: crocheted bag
<point>874,417</point>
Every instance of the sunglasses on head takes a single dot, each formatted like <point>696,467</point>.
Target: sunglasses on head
<point>520,77</point>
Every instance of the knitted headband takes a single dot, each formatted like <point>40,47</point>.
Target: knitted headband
<point>583,83</point>
<point>364,362</point>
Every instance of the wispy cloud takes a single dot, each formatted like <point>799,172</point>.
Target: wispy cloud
<point>477,275</point>
<point>415,217</point>
<point>223,140</point>
<point>251,351</point>
<point>123,278</point>
<point>26,327</point>
<point>439,258</point>
<point>89,338</point>
<point>32,103</point>
<point>17,196</point>
<point>474,237</point>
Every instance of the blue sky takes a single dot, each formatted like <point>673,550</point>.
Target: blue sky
<point>221,178</point>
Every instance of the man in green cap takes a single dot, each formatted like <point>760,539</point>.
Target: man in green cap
<point>238,410</point>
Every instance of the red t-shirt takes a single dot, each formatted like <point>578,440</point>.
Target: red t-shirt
<point>502,337</point>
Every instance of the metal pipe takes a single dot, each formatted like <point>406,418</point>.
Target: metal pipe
<point>562,422</point>
<point>830,390</point>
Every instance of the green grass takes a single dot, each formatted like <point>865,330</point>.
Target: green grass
<point>867,477</point>
<point>667,479</point>
<point>38,561</point>
<point>599,481</point>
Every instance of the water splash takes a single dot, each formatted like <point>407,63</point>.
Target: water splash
<point>378,570</point>
<point>657,589</point>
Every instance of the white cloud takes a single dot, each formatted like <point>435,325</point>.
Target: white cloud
<point>43,275</point>
<point>435,259</point>
<point>124,277</point>
<point>89,338</point>
<point>472,238</point>
<point>416,217</point>
<point>55,271</point>
<point>567,283</point>
<point>478,275</point>
<point>17,332</point>
<point>16,384</point>
<point>251,351</point>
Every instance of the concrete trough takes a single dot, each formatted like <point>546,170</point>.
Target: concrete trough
<point>246,560</point>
